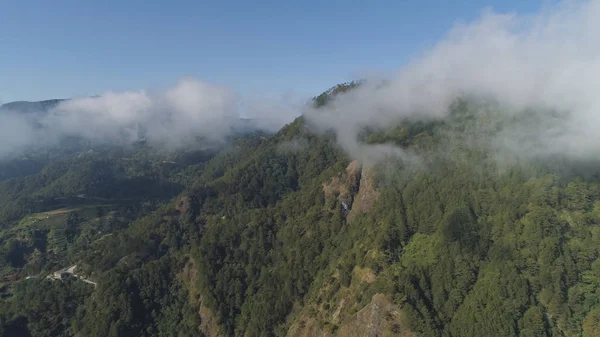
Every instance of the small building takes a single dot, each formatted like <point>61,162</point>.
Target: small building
<point>60,275</point>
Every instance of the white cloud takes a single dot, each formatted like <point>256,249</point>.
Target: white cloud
<point>16,133</point>
<point>172,118</point>
<point>550,60</point>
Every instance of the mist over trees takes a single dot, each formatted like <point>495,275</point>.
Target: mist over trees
<point>263,237</point>
<point>459,197</point>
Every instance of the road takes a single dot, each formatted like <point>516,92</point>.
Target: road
<point>57,275</point>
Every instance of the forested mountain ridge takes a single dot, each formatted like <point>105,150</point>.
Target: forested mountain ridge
<point>28,107</point>
<point>286,235</point>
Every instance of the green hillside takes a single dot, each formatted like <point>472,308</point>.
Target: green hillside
<point>285,235</point>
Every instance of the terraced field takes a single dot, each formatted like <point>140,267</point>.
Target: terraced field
<point>44,241</point>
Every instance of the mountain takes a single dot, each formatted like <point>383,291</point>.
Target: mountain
<point>286,235</point>
<point>30,107</point>
<point>37,110</point>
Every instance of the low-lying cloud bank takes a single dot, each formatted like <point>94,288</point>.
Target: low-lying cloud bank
<point>189,108</point>
<point>172,118</point>
<point>546,61</point>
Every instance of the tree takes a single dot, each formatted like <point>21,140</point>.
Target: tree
<point>71,226</point>
<point>591,324</point>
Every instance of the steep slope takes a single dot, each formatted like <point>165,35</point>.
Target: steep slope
<point>442,240</point>
<point>285,235</point>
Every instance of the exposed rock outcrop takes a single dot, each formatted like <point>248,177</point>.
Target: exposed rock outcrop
<point>208,321</point>
<point>208,325</point>
<point>366,196</point>
<point>183,204</point>
<point>380,318</point>
<point>354,189</point>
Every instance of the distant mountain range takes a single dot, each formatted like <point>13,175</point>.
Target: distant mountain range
<point>238,125</point>
<point>30,107</point>
<point>244,124</point>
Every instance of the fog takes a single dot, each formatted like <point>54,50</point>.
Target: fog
<point>549,61</point>
<point>171,118</point>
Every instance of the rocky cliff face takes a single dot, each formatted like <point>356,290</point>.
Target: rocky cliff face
<point>208,322</point>
<point>366,194</point>
<point>354,190</point>
<point>341,310</point>
<point>380,318</point>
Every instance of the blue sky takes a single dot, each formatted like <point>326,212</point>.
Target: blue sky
<point>53,49</point>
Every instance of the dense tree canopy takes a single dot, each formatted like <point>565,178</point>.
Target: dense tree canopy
<point>274,230</point>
